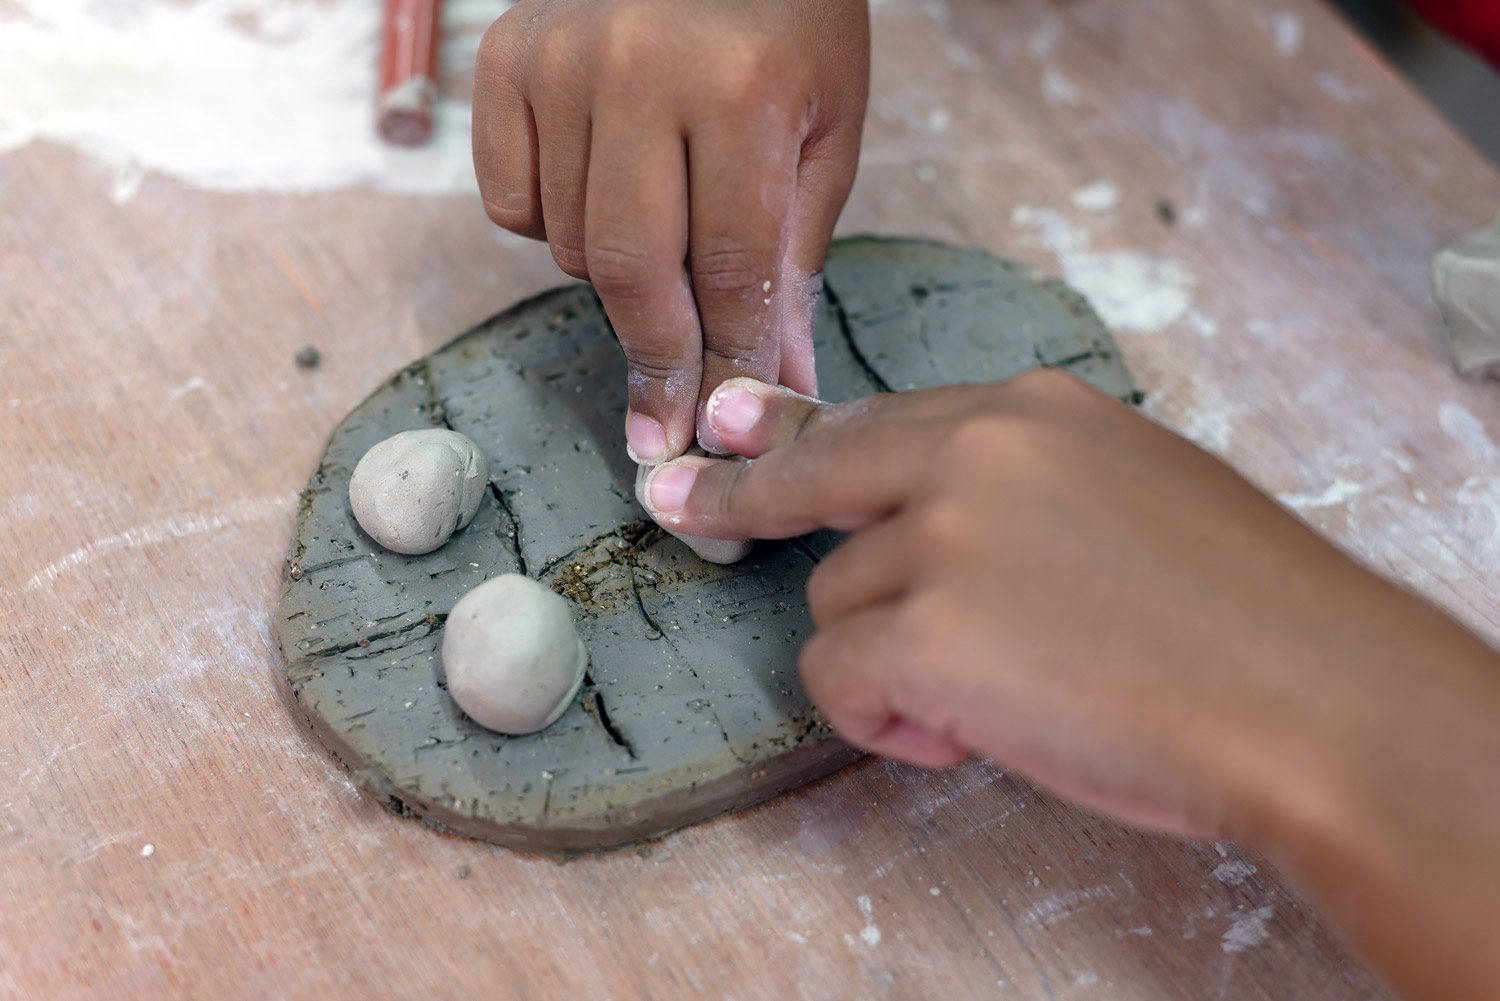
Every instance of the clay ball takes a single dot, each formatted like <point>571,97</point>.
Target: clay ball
<point>415,489</point>
<point>512,655</point>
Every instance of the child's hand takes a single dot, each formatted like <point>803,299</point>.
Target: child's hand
<point>636,135</point>
<point>1043,576</point>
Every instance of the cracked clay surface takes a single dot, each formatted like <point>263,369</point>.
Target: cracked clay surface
<point>691,706</point>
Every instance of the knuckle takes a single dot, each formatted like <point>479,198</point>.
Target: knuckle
<point>570,257</point>
<point>982,454</point>
<point>740,74</point>
<point>942,526</point>
<point>919,625</point>
<point>1050,384</point>
<point>618,270</point>
<point>728,268</point>
<point>556,55</point>
<point>515,212</point>
<point>1009,437</point>
<point>629,39</point>
<point>745,354</point>
<point>499,49</point>
<point>978,434</point>
<point>651,361</point>
<point>731,500</point>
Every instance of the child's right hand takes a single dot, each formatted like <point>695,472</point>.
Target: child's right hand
<point>635,135</point>
<point>1044,576</point>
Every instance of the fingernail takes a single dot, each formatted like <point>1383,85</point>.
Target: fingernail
<point>668,487</point>
<point>708,438</point>
<point>645,439</point>
<point>734,409</point>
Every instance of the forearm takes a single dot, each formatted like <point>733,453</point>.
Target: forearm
<point>1393,825</point>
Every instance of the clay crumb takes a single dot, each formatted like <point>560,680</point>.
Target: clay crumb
<point>462,873</point>
<point>309,357</point>
<point>653,854</point>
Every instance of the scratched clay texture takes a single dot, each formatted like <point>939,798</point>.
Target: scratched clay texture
<point>1279,194</point>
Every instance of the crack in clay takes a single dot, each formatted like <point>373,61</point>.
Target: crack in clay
<point>1082,356</point>
<point>806,550</point>
<point>330,564</point>
<point>509,533</point>
<point>927,344</point>
<point>594,699</point>
<point>640,606</point>
<point>636,536</point>
<point>304,665</point>
<point>653,623</point>
<point>574,553</point>
<point>513,523</point>
<point>847,331</point>
<point>432,742</point>
<point>707,703</point>
<point>547,777</point>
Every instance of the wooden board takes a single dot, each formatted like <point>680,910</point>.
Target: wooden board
<point>692,706</point>
<point>155,434</point>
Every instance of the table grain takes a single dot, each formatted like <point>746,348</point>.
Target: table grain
<point>1260,198</point>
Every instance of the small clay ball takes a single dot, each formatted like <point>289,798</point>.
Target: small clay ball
<point>415,489</point>
<point>512,655</point>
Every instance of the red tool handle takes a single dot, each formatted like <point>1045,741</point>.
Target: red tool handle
<point>408,70</point>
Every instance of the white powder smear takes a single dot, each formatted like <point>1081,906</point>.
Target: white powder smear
<point>1247,930</point>
<point>1101,196</point>
<point>1338,492</point>
<point>870,933</point>
<point>1286,33</point>
<point>227,94</point>
<point>1131,290</point>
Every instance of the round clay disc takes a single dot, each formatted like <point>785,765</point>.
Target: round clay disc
<point>691,707</point>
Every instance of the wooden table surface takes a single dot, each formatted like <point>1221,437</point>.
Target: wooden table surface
<point>169,826</point>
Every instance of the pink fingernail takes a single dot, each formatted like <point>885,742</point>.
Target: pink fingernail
<point>645,439</point>
<point>734,410</point>
<point>669,486</point>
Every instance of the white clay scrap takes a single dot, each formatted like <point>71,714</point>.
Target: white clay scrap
<point>1466,284</point>
<point>512,655</point>
<point>415,489</point>
<point>713,550</point>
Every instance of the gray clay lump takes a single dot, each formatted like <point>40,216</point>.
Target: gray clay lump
<point>413,490</point>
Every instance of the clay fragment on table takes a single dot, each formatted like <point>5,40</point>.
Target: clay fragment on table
<point>1466,284</point>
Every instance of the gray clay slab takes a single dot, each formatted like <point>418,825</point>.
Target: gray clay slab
<point>692,706</point>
